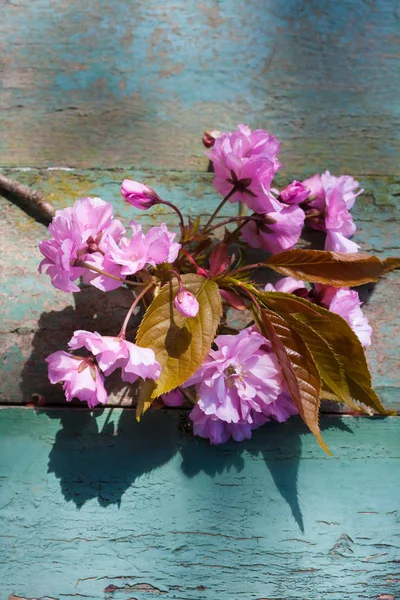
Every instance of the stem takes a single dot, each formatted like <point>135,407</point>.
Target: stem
<point>130,311</point>
<point>250,295</point>
<point>232,220</point>
<point>82,263</point>
<point>216,211</point>
<point>314,213</point>
<point>178,212</point>
<point>245,221</point>
<point>248,268</point>
<point>192,261</point>
<point>177,275</point>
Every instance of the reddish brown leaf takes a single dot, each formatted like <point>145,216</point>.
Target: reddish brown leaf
<point>332,268</point>
<point>298,368</point>
<point>219,259</point>
<point>340,337</point>
<point>391,263</point>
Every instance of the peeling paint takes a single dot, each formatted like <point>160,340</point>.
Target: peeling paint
<point>101,503</point>
<point>102,87</point>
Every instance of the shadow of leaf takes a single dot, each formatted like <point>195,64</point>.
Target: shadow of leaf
<point>103,463</point>
<point>177,340</point>
<point>279,445</point>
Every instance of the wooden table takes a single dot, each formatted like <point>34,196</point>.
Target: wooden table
<point>93,505</point>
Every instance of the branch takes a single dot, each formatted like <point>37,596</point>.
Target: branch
<point>32,198</point>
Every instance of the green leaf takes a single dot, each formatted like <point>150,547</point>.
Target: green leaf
<point>180,343</point>
<point>289,303</point>
<point>195,225</point>
<point>298,367</point>
<point>327,361</point>
<point>340,337</point>
<point>332,268</point>
<point>146,388</point>
<point>366,395</point>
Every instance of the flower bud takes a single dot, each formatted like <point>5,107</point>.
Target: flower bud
<point>186,303</point>
<point>295,193</point>
<point>174,398</point>
<point>139,195</point>
<point>209,138</point>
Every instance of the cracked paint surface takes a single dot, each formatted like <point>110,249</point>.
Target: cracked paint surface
<point>92,505</point>
<point>100,507</point>
<point>98,84</point>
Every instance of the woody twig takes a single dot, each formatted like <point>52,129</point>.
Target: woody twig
<point>29,197</point>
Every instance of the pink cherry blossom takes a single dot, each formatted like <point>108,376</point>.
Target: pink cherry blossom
<point>345,183</point>
<point>295,193</point>
<point>282,408</point>
<point>346,303</point>
<point>331,199</point>
<point>287,285</point>
<point>316,198</point>
<point>247,160</point>
<point>117,353</point>
<point>277,232</point>
<point>80,376</point>
<point>237,381</point>
<point>130,254</point>
<point>219,432</point>
<point>59,262</point>
<point>336,242</point>
<point>174,398</point>
<point>186,303</point>
<point>161,246</point>
<point>156,247</point>
<point>77,233</point>
<point>139,195</point>
<point>256,143</point>
<point>106,264</point>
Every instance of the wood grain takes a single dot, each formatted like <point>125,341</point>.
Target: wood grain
<point>101,507</point>
<point>136,83</point>
<point>95,506</point>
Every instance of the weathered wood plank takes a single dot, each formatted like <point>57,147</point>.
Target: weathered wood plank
<point>136,83</point>
<point>87,512</point>
<point>37,319</point>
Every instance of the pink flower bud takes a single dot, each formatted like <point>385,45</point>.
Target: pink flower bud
<point>174,398</point>
<point>209,138</point>
<point>186,303</point>
<point>295,193</point>
<point>139,195</point>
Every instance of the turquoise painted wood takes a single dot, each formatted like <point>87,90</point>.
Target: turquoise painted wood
<point>99,507</point>
<point>96,506</point>
<point>39,319</point>
<point>104,83</point>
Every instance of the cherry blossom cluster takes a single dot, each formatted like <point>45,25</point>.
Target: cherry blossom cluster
<point>240,384</point>
<point>322,201</point>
